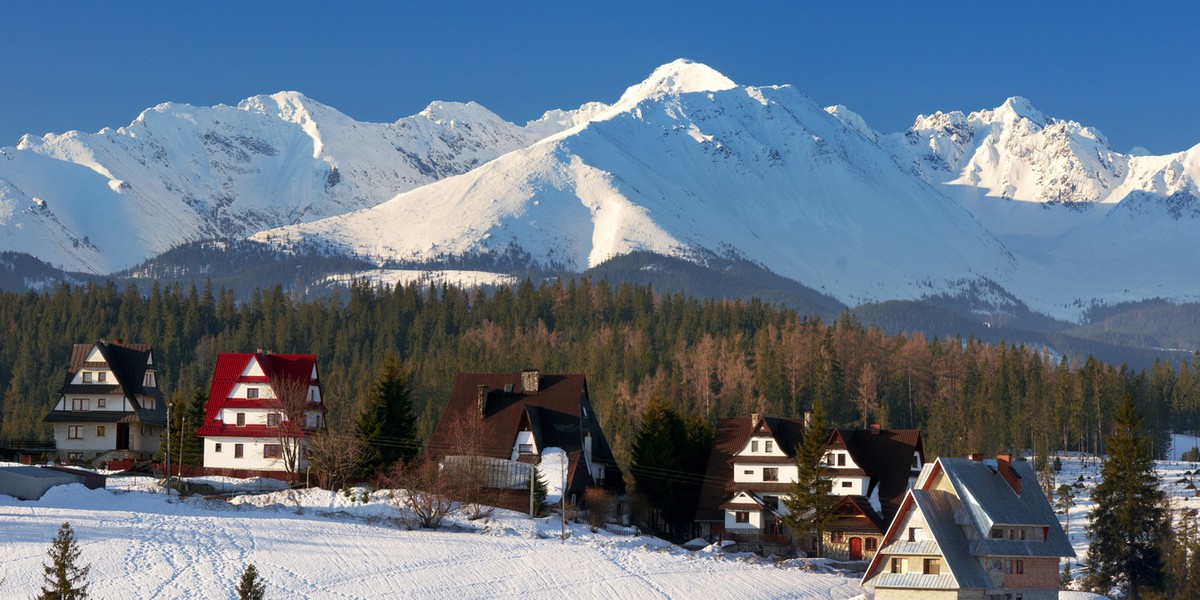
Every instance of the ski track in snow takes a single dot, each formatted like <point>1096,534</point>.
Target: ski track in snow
<point>320,544</point>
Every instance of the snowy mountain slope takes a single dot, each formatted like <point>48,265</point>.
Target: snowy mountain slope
<point>688,164</point>
<point>180,173</point>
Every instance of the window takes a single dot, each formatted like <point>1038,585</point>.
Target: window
<point>898,565</point>
<point>913,532</point>
<point>768,446</point>
<point>148,381</point>
<point>997,534</point>
<point>99,431</point>
<point>741,516</point>
<point>241,419</point>
<point>837,536</point>
<point>754,445</point>
<point>932,566</point>
<point>748,472</point>
<point>101,376</point>
<point>145,430</point>
<point>916,465</point>
<point>237,450</point>
<point>841,459</point>
<point>872,543</point>
<point>847,483</point>
<point>87,377</point>
<point>149,403</point>
<point>217,447</point>
<point>1016,567</point>
<point>252,392</point>
<point>272,451</point>
<point>273,420</point>
<point>74,457</point>
<point>75,432</point>
<point>771,502</point>
<point>525,448</point>
<point>1022,532</point>
<point>81,404</point>
<point>770,473</point>
<point>101,403</point>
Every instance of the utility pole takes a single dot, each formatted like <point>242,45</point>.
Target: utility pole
<point>563,489</point>
<point>169,405</point>
<point>179,464</point>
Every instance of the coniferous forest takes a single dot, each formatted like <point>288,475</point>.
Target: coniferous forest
<point>636,346</point>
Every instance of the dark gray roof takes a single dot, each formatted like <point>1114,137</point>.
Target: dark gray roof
<point>993,502</point>
<point>128,363</point>
<point>938,508</point>
<point>91,416</point>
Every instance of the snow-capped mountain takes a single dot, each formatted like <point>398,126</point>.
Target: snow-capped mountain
<point>101,202</point>
<point>686,163</point>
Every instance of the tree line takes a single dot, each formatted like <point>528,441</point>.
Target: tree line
<point>706,359</point>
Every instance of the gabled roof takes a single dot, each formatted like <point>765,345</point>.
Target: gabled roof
<point>559,415</point>
<point>856,511</point>
<point>988,500</point>
<point>886,456</point>
<point>229,372</point>
<point>128,364</point>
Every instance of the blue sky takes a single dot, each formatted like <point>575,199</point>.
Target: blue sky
<point>1128,69</point>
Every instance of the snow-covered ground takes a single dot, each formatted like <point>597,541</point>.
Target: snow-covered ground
<point>316,543</point>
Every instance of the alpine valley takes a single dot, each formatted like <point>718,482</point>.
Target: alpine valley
<point>1005,222</point>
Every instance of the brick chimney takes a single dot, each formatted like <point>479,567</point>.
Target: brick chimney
<point>1004,466</point>
<point>481,393</point>
<point>117,341</point>
<point>875,428</point>
<point>754,420</point>
<point>975,457</point>
<point>530,379</point>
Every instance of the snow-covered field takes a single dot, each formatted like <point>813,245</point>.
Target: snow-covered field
<point>316,543</point>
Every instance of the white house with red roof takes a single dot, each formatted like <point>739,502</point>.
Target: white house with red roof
<point>245,425</point>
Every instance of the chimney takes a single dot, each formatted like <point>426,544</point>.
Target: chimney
<point>117,341</point>
<point>975,457</point>
<point>529,381</point>
<point>875,429</point>
<point>754,420</point>
<point>481,398</point>
<point>1004,465</point>
<point>807,419</point>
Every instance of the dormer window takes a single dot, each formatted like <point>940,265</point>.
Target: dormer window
<point>916,464</point>
<point>147,381</point>
<point>87,376</point>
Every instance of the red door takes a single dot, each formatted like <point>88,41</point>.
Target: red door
<point>855,548</point>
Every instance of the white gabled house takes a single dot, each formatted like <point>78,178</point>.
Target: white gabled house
<point>245,426</point>
<point>109,404</point>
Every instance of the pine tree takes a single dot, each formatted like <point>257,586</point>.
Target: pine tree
<point>1130,519</point>
<point>65,578</point>
<point>539,492</point>
<point>386,421</point>
<point>251,587</point>
<point>809,502</point>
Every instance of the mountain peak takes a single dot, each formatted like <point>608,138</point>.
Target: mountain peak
<point>1016,108</point>
<point>458,112</point>
<point>680,76</point>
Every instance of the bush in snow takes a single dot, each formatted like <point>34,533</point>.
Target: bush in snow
<point>419,489</point>
<point>251,587</point>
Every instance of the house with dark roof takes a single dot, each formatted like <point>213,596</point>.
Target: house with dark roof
<point>752,467</point>
<point>521,415</point>
<point>972,528</point>
<point>245,421</point>
<point>109,405</point>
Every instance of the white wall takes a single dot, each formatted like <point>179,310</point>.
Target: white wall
<point>252,454</point>
<point>756,521</point>
<point>787,471</point>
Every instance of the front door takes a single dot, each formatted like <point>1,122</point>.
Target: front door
<point>855,548</point>
<point>122,436</point>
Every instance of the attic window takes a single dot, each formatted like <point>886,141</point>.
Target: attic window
<point>754,445</point>
<point>87,377</point>
<point>525,448</point>
<point>932,566</point>
<point>768,446</point>
<point>741,516</point>
<point>251,393</point>
<point>508,388</point>
<point>147,381</point>
<point>101,376</point>
<point>101,403</point>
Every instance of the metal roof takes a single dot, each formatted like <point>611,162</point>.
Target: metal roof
<point>928,547</point>
<point>938,509</point>
<point>916,580</point>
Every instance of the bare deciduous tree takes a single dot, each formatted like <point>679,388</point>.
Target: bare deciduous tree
<point>469,480</point>
<point>291,400</point>
<point>418,488</point>
<point>600,505</point>
<point>336,457</point>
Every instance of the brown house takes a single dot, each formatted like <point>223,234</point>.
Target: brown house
<point>517,416</point>
<point>752,466</point>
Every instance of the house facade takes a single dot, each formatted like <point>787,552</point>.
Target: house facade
<point>246,418</point>
<point>109,405</point>
<point>972,528</point>
<point>752,467</point>
<point>516,417</point>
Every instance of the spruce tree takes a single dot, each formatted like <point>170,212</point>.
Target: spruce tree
<point>809,502</point>
<point>251,587</point>
<point>386,421</point>
<point>1130,520</point>
<point>66,579</point>
<point>539,493</point>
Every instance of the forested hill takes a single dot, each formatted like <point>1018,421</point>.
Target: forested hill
<point>714,358</point>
